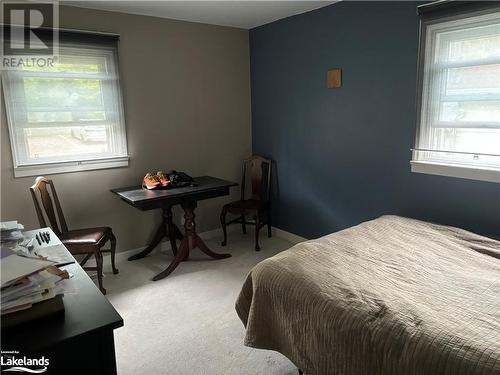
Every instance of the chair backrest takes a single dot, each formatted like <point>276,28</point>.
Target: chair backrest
<point>259,170</point>
<point>49,207</point>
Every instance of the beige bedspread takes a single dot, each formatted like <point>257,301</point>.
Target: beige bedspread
<point>389,296</point>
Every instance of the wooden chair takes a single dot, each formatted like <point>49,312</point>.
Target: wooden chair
<point>86,242</point>
<point>258,205</point>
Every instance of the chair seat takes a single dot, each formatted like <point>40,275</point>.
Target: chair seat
<point>85,237</point>
<point>245,205</point>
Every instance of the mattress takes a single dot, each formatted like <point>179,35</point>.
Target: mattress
<point>389,296</point>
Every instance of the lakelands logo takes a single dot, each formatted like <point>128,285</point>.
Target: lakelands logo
<point>30,35</point>
<point>11,362</point>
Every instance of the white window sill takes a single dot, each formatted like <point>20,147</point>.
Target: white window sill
<point>42,169</point>
<point>471,173</point>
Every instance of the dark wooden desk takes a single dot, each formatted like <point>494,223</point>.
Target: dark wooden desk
<point>142,199</point>
<point>78,341</point>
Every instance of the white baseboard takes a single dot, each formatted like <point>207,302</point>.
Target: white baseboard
<point>208,235</point>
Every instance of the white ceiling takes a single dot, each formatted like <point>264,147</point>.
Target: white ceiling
<point>242,14</point>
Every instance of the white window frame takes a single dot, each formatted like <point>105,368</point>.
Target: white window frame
<point>23,168</point>
<point>424,158</point>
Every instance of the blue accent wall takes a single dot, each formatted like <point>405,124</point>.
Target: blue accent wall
<point>342,155</point>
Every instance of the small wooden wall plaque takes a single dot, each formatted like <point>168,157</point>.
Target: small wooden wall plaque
<point>334,78</point>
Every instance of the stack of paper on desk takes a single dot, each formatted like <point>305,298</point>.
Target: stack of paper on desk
<point>29,290</point>
<point>26,281</point>
<point>14,266</point>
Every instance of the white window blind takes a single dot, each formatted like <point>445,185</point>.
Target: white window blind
<point>69,116</point>
<point>459,122</point>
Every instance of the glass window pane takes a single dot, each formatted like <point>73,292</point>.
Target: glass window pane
<point>65,116</point>
<point>475,47</point>
<point>460,107</point>
<point>484,79</point>
<point>467,140</point>
<point>34,117</point>
<point>73,64</point>
<point>66,142</point>
<point>470,111</point>
<point>62,93</point>
<point>70,112</point>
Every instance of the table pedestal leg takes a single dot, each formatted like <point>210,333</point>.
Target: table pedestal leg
<point>190,241</point>
<point>166,229</point>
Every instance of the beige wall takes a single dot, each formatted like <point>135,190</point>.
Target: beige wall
<point>186,92</point>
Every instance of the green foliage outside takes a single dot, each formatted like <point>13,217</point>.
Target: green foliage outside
<point>57,99</point>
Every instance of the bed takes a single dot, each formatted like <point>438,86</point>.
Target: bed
<point>389,296</point>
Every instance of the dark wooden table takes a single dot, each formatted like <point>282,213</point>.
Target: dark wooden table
<point>142,199</point>
<point>78,341</point>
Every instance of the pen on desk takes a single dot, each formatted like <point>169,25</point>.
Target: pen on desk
<point>47,238</point>
<point>38,239</point>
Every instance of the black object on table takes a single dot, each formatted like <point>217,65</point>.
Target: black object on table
<point>142,199</point>
<point>77,341</point>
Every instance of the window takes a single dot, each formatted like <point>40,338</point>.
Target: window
<point>67,117</point>
<point>459,123</point>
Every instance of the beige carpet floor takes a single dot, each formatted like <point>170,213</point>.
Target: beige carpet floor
<point>186,323</point>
